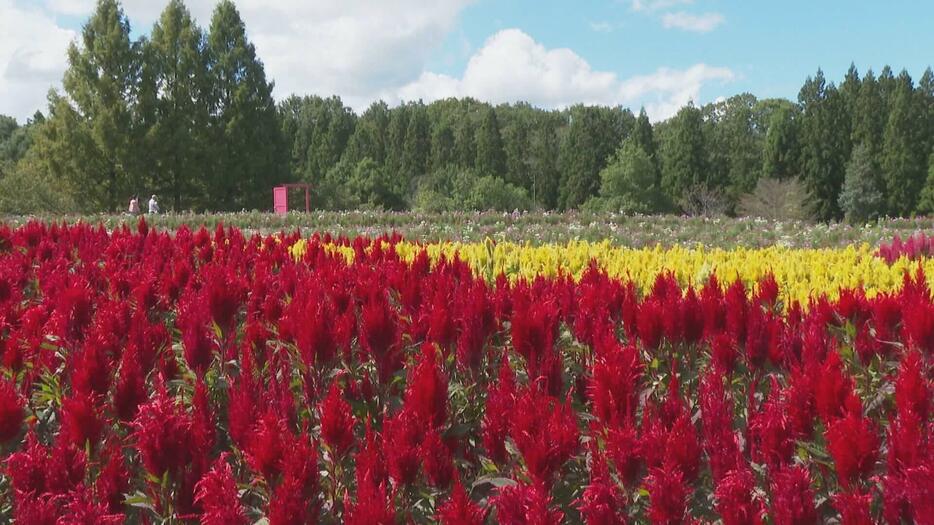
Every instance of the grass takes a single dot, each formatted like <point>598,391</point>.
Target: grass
<point>536,228</point>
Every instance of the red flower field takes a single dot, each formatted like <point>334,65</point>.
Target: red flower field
<point>208,377</point>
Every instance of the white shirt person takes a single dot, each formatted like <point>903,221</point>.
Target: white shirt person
<point>153,205</point>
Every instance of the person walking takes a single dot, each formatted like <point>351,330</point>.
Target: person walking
<point>153,205</point>
<point>134,205</point>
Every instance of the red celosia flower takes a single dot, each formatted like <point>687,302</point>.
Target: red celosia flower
<point>602,503</point>
<point>92,371</point>
<point>38,510</point>
<point>66,467</point>
<point>267,444</point>
<point>498,413</point>
<point>380,336</point>
<point>767,290</point>
<point>668,495</point>
<point>294,500</point>
<point>525,504</point>
<point>717,420</point>
<point>28,467</point>
<point>459,509</point>
<point>735,502</point>
<point>831,388</point>
<point>114,478</point>
<point>683,448</point>
<point>723,353</point>
<point>437,462</point>
<point>426,394</point>
<point>771,432</point>
<point>736,313</point>
<point>854,508</point>
<point>402,435</point>
<point>912,393</point>
<point>162,431</point>
<point>197,339</point>
<point>854,446</point>
<point>372,506</point>
<point>369,461</point>
<point>82,508</point>
<point>337,422</point>
<point>792,500</point>
<point>474,325</point>
<point>906,442</point>
<point>614,385</point>
<point>545,432</point>
<point>11,411</point>
<point>242,409</point>
<point>624,448</point>
<point>650,323</point>
<point>82,423</point>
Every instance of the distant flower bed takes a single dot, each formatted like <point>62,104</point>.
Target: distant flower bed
<point>915,247</point>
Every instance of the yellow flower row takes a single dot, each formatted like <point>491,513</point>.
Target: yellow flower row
<point>800,273</point>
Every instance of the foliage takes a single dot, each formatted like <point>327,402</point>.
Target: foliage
<point>862,198</point>
<point>630,182</point>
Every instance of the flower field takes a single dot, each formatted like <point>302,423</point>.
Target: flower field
<point>214,377</point>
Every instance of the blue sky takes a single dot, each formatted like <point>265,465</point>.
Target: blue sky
<point>553,53</point>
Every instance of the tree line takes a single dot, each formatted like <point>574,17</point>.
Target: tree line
<point>189,114</point>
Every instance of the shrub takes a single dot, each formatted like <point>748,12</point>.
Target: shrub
<point>775,199</point>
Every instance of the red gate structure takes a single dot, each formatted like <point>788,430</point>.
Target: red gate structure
<point>280,197</point>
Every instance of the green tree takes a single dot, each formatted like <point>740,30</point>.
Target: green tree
<point>684,155</point>
<point>780,154</point>
<point>644,136</point>
<point>89,144</point>
<point>869,116</point>
<point>369,136</point>
<point>179,141</point>
<point>543,160</point>
<point>374,187</point>
<point>491,160</point>
<point>248,146</point>
<point>592,136</point>
<point>926,200</point>
<point>416,150</point>
<point>902,161</point>
<point>630,182</point>
<point>443,151</point>
<point>861,198</point>
<point>825,145</point>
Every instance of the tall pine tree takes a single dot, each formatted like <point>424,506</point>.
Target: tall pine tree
<point>903,161</point>
<point>825,145</point>
<point>491,159</point>
<point>179,138</point>
<point>249,150</point>
<point>684,155</point>
<point>92,146</point>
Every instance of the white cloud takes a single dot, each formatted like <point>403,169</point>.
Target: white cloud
<point>355,48</point>
<point>32,58</point>
<point>666,90</point>
<point>703,23</point>
<point>512,66</point>
<point>656,5</point>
